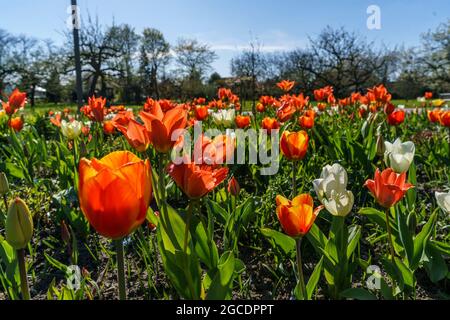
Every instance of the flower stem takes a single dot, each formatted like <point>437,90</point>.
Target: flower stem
<point>301,279</point>
<point>5,199</point>
<point>389,231</point>
<point>23,274</point>
<point>187,226</point>
<point>120,269</point>
<point>294,180</point>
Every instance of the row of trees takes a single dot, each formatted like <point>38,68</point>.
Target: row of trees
<point>123,65</point>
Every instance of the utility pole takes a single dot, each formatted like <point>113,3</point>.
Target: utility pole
<point>76,47</point>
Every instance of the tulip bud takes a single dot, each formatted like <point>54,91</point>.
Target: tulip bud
<point>65,234</point>
<point>19,224</point>
<point>4,186</point>
<point>381,148</point>
<point>233,187</point>
<point>412,222</point>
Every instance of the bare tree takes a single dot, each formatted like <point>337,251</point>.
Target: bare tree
<point>344,60</point>
<point>98,49</point>
<point>155,53</point>
<point>193,58</point>
<point>435,56</point>
<point>250,64</point>
<point>7,65</point>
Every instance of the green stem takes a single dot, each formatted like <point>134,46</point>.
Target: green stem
<point>120,269</point>
<point>187,226</point>
<point>23,274</point>
<point>389,231</point>
<point>301,278</point>
<point>5,199</point>
<point>294,180</point>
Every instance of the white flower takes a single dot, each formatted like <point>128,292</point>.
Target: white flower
<point>110,116</point>
<point>421,99</point>
<point>443,200</point>
<point>224,117</point>
<point>331,189</point>
<point>71,130</point>
<point>398,155</point>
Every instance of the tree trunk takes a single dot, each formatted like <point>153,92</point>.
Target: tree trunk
<point>93,85</point>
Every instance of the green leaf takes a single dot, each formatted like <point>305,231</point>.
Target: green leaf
<point>182,268</point>
<point>217,211</point>
<point>411,194</point>
<point>284,242</point>
<point>317,238</point>
<point>405,235</point>
<point>205,249</point>
<point>221,285</point>
<point>375,216</point>
<point>353,239</point>
<point>406,273</point>
<point>435,264</point>
<point>421,240</point>
<point>314,279</point>
<point>358,294</point>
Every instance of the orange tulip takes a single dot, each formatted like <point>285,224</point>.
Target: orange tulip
<point>270,124</point>
<point>97,108</point>
<point>444,119</point>
<point>213,151</point>
<point>294,145</point>
<point>136,135</point>
<point>242,122</point>
<point>307,120</point>
<point>56,120</point>
<point>388,187</point>
<point>201,112</point>
<point>428,95</point>
<point>285,112</point>
<point>379,94</point>
<point>196,180</point>
<point>395,118</point>
<point>115,192</point>
<point>161,126</point>
<point>285,85</point>
<point>260,107</point>
<point>355,97</point>
<point>16,124</point>
<point>17,99</point>
<point>122,118</point>
<point>433,115</point>
<point>267,100</point>
<point>233,187</point>
<point>224,93</point>
<point>297,216</point>
<point>8,109</point>
<point>108,127</point>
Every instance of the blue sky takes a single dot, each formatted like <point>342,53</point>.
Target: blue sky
<point>228,26</point>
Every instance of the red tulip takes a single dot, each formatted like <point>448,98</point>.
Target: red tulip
<point>395,118</point>
<point>388,187</point>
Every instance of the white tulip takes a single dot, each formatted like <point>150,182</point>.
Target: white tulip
<point>224,117</point>
<point>398,155</point>
<point>443,200</point>
<point>331,189</point>
<point>71,130</point>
